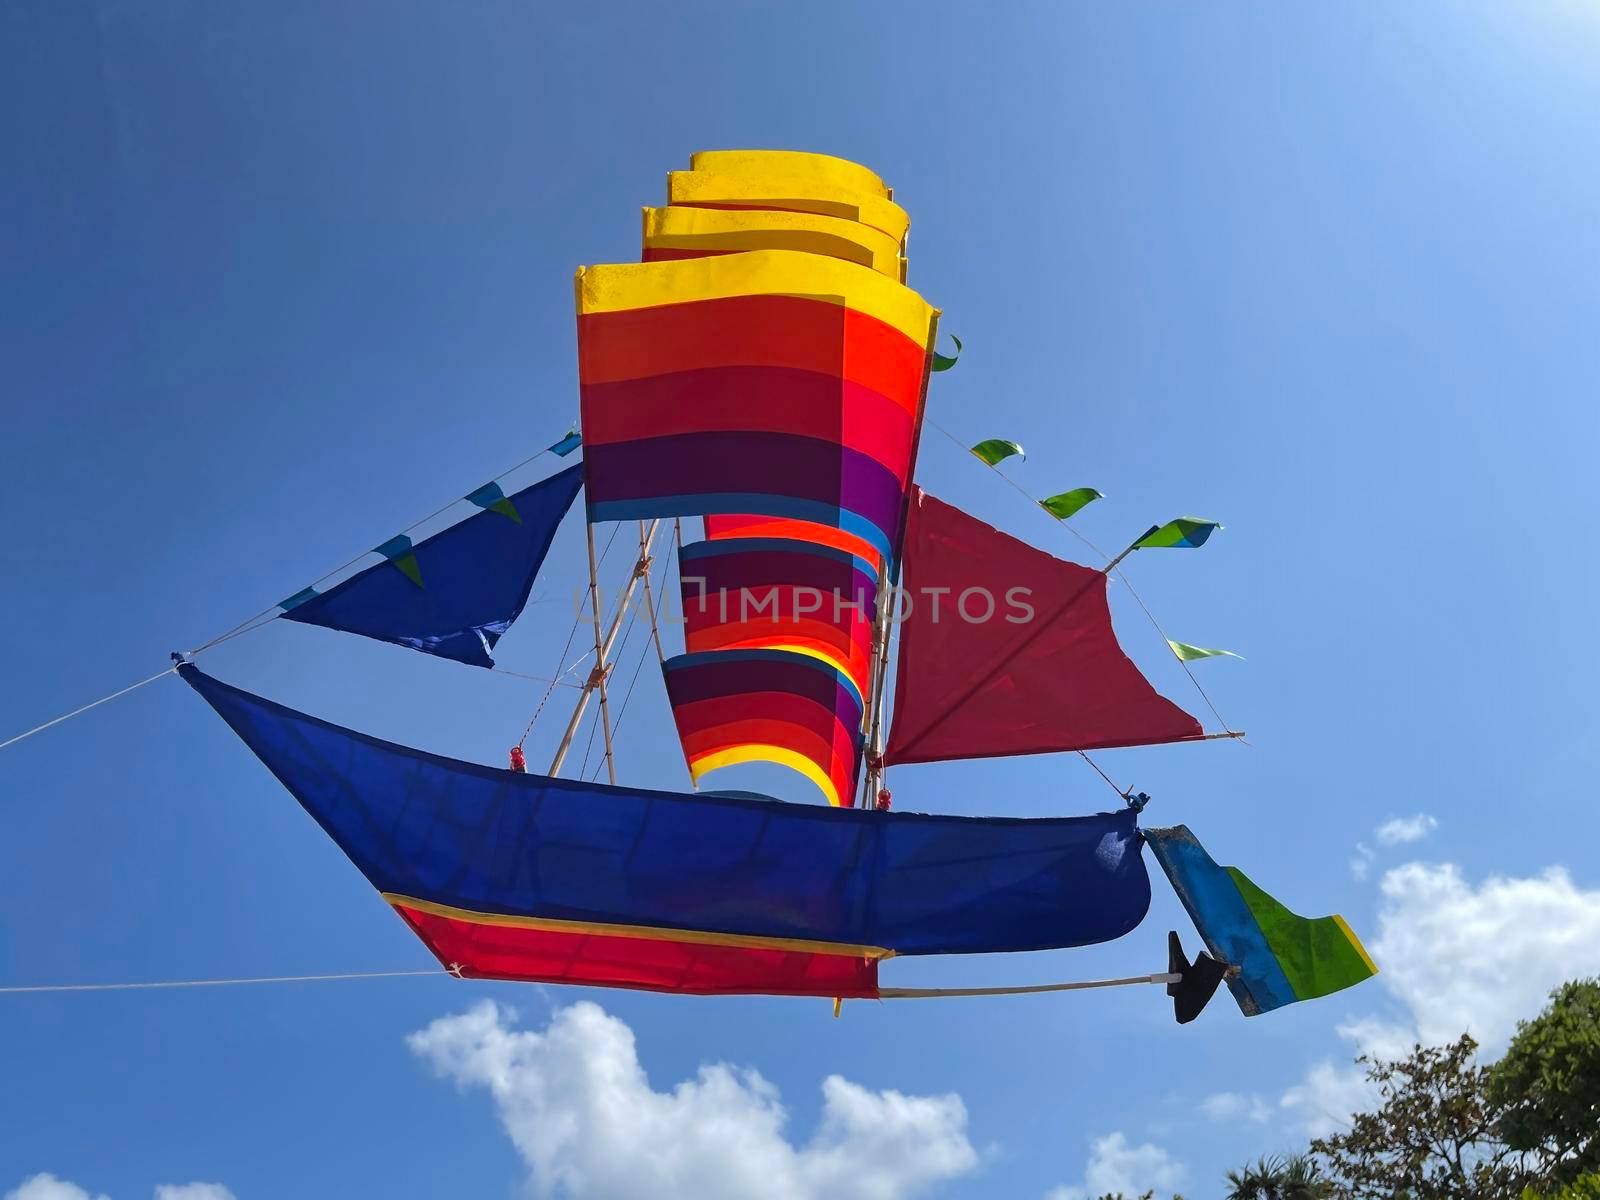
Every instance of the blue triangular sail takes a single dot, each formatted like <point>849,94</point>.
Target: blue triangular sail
<point>455,593</point>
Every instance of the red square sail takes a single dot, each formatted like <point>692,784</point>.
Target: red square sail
<point>1006,650</point>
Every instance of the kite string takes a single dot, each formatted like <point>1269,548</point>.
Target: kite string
<point>92,704</point>
<point>265,617</point>
<point>1121,578</point>
<point>186,983</point>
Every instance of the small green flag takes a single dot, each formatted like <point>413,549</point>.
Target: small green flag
<point>943,363</point>
<point>1189,653</point>
<point>398,551</point>
<point>1184,533</point>
<point>997,450</point>
<point>1063,506</point>
<point>490,497</point>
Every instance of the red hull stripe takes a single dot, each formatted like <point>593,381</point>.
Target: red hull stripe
<point>490,951</point>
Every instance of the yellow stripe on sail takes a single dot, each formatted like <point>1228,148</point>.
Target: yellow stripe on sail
<point>837,172</point>
<point>759,752</point>
<point>796,192</point>
<point>736,230</point>
<point>1356,942</point>
<point>618,287</point>
<point>743,941</point>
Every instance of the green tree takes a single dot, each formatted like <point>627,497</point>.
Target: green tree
<point>1296,1177</point>
<point>1548,1084</point>
<point>1586,1187</point>
<point>1434,1136</point>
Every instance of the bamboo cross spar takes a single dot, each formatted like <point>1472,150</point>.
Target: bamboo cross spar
<point>1190,984</point>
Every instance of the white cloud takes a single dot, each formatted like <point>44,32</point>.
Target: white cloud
<point>1115,1166</point>
<point>1458,959</point>
<point>1235,1106</point>
<point>1400,830</point>
<point>45,1186</point>
<point>1361,860</point>
<point>1465,959</point>
<point>581,1112</point>
<point>1322,1102</point>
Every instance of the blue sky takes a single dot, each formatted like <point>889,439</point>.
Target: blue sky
<point>280,278</point>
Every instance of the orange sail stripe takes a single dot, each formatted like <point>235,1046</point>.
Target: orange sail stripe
<point>755,330</point>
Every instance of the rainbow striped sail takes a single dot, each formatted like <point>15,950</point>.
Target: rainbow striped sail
<point>778,706</point>
<point>764,368</point>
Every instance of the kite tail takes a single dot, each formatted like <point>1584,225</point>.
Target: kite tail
<point>1280,957</point>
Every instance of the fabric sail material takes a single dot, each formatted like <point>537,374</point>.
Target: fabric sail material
<point>781,706</point>
<point>746,525</point>
<point>764,368</point>
<point>771,382</point>
<point>779,593</point>
<point>1281,958</point>
<point>674,233</point>
<point>454,594</point>
<point>511,876</point>
<point>786,191</point>
<point>1006,650</point>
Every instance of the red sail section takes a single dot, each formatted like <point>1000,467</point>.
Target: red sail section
<point>1006,650</point>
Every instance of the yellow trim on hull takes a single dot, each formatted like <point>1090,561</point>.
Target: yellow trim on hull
<point>741,941</point>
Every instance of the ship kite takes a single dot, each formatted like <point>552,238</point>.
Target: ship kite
<point>761,375</point>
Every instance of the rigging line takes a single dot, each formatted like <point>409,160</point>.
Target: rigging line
<point>552,683</point>
<point>85,708</point>
<point>265,617</point>
<point>187,983</point>
<point>940,993</point>
<point>535,678</point>
<point>1121,578</point>
<point>561,667</point>
<point>637,667</point>
<point>271,613</point>
<point>1102,774</point>
<point>627,632</point>
<point>588,747</point>
<point>1017,487</point>
<point>1204,695</point>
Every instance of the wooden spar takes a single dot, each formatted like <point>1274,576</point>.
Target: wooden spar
<point>1030,989</point>
<point>879,676</point>
<point>599,674</point>
<point>649,598</point>
<point>603,646</point>
<point>888,581</point>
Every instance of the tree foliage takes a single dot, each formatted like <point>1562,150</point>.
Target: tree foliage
<point>1296,1177</point>
<point>1548,1086</point>
<point>1585,1187</point>
<point>1434,1136</point>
